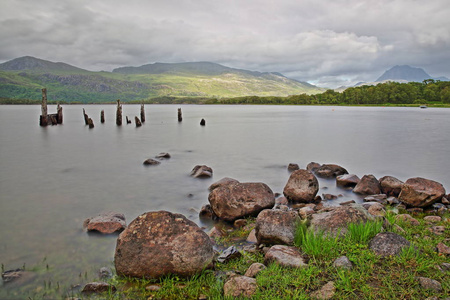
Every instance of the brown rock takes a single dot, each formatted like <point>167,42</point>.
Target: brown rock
<point>330,170</point>
<point>368,185</point>
<point>302,186</point>
<point>421,192</point>
<point>106,223</point>
<point>305,212</point>
<point>240,286</point>
<point>325,292</point>
<point>329,197</point>
<point>408,219</point>
<point>437,230</point>
<point>281,201</point>
<point>313,166</point>
<point>336,219</point>
<point>98,287</point>
<point>254,269</point>
<point>430,284</point>
<point>159,243</point>
<point>376,209</point>
<point>442,248</point>
<point>276,227</point>
<point>221,182</point>
<point>388,243</point>
<point>206,212</point>
<point>432,219</point>
<point>234,201</point>
<point>390,186</point>
<point>347,180</point>
<point>201,171</point>
<point>293,167</point>
<point>252,237</point>
<point>151,162</point>
<point>285,256</point>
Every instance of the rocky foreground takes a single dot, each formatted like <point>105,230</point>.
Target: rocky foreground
<point>157,244</point>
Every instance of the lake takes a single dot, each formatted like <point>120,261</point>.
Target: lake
<point>53,178</point>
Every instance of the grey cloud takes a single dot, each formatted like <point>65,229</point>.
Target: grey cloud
<point>326,42</point>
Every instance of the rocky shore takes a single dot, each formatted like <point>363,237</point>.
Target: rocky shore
<point>160,243</point>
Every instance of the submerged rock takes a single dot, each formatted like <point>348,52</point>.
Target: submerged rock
<point>201,171</point>
<point>330,170</point>
<point>106,223</point>
<point>98,287</point>
<point>159,243</point>
<point>347,180</point>
<point>151,162</point>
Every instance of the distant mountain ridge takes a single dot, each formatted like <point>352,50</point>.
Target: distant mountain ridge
<point>407,73</point>
<point>23,78</point>
<point>36,64</point>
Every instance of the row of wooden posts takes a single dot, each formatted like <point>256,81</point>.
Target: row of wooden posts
<point>54,119</point>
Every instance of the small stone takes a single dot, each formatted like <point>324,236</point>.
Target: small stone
<point>329,197</point>
<point>429,284</point>
<point>252,237</point>
<point>163,155</point>
<point>399,229</point>
<point>229,254</point>
<point>415,210</point>
<point>254,269</point>
<point>377,210</point>
<point>285,255</point>
<point>151,162</point>
<point>105,273</point>
<point>388,243</point>
<point>442,248</point>
<point>293,167</point>
<point>153,288</point>
<point>240,286</point>
<point>433,219</point>
<point>239,223</point>
<point>347,202</point>
<point>98,287</point>
<point>445,266</point>
<point>325,292</point>
<point>407,219</point>
<point>437,230</point>
<point>304,212</point>
<point>343,262</point>
<point>281,201</point>
<point>201,171</point>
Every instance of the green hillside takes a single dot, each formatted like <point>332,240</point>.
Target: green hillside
<point>23,78</point>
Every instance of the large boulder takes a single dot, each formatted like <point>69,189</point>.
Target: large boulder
<point>233,201</point>
<point>106,223</point>
<point>336,219</point>
<point>388,243</point>
<point>276,226</point>
<point>368,185</point>
<point>390,186</point>
<point>302,186</point>
<point>221,182</point>
<point>421,192</point>
<point>159,243</point>
<point>330,170</point>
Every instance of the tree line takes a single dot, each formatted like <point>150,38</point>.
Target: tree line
<point>433,92</point>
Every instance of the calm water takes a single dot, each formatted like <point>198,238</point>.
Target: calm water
<point>53,178</point>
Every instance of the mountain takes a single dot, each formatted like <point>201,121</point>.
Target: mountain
<point>36,64</point>
<point>23,78</point>
<point>408,73</point>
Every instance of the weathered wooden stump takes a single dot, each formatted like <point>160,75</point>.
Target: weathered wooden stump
<point>203,122</point>
<point>137,121</point>
<point>102,116</point>
<point>180,115</point>
<point>90,123</point>
<point>127,120</point>
<point>86,117</point>
<point>43,120</point>
<point>142,113</point>
<point>60,114</point>
<point>119,113</point>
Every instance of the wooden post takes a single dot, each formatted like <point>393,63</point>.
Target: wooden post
<point>102,116</point>
<point>142,113</point>
<point>180,115</point>
<point>128,120</point>
<point>119,113</point>
<point>91,123</point>
<point>203,122</point>
<point>137,121</point>
<point>43,121</point>
<point>60,114</point>
<point>86,118</point>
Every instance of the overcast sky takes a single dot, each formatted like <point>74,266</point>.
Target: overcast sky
<point>328,43</point>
